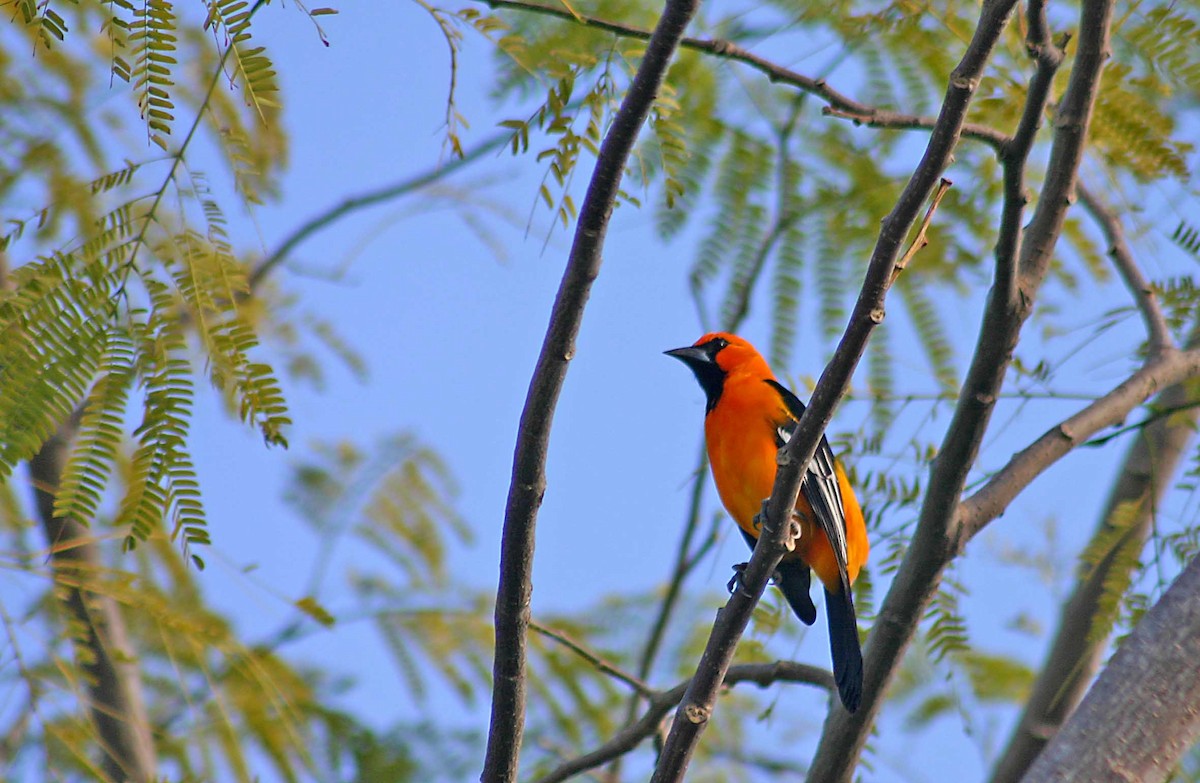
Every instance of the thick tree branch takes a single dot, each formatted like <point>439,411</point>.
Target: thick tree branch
<point>990,500</point>
<point>1078,647</point>
<point>838,104</point>
<point>1021,263</point>
<point>109,660</point>
<point>1140,716</point>
<point>533,436</point>
<point>698,704</point>
<point>628,738</point>
<point>1118,249</point>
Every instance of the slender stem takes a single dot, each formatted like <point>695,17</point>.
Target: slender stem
<point>661,702</point>
<point>1127,267</point>
<point>638,684</point>
<point>369,199</point>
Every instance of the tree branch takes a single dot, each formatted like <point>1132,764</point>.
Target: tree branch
<point>1143,294</point>
<point>868,312</point>
<point>1078,646</point>
<point>533,436</point>
<point>1140,716</point>
<point>113,682</point>
<point>1021,262</point>
<point>990,500</point>
<point>628,738</point>
<point>839,104</point>
<point>370,199</point>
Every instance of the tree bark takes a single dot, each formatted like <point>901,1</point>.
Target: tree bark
<point>1141,715</point>
<point>114,689</point>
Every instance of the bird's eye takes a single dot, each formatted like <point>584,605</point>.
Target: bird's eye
<point>720,343</point>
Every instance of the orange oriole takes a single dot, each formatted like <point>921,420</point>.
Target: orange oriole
<point>748,418</point>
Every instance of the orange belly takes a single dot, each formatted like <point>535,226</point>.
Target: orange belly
<point>743,462</point>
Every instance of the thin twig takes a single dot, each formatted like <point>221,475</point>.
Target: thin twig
<point>920,241</point>
<point>839,104</point>
<point>628,738</point>
<point>1141,290</point>
<point>593,658</point>
<point>1157,415</point>
<point>369,199</point>
<point>528,483</point>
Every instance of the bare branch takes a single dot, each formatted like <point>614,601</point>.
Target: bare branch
<point>593,658</point>
<point>369,199</point>
<point>114,687</point>
<point>1140,716</point>
<point>628,738</point>
<point>868,312</point>
<point>1118,249</point>
<point>839,104</point>
<point>1080,642</point>
<point>529,461</point>
<point>990,500</point>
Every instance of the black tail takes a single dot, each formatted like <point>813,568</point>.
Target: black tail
<point>794,580</point>
<point>843,644</point>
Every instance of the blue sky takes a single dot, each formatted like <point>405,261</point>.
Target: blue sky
<point>450,333</point>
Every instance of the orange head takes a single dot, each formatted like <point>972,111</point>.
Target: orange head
<point>717,355</point>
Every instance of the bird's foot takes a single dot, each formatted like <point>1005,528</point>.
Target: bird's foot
<point>795,526</point>
<point>735,581</point>
<point>761,516</point>
<point>795,530</point>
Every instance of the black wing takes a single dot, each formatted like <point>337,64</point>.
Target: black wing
<point>820,485</point>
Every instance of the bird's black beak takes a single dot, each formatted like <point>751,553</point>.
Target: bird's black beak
<point>693,355</point>
<point>702,361</point>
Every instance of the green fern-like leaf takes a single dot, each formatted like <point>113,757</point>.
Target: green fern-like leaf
<point>947,632</point>
<point>211,283</point>
<point>786,292</point>
<point>1113,555</point>
<point>1170,41</point>
<point>930,331</point>
<point>254,70</point>
<point>152,37</point>
<point>742,174</point>
<point>1187,236</point>
<point>1131,131</point>
<point>52,337</point>
<point>163,483</point>
<point>881,377</point>
<point>100,432</point>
